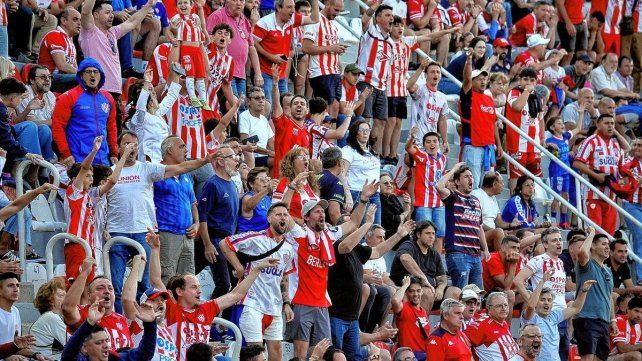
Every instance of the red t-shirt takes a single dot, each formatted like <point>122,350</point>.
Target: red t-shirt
<point>523,28</point>
<point>274,39</point>
<point>114,323</point>
<point>287,135</point>
<point>57,41</point>
<point>495,267</point>
<point>190,326</point>
<point>574,11</point>
<point>298,198</point>
<point>407,322</point>
<point>492,340</point>
<point>527,60</point>
<point>444,346</point>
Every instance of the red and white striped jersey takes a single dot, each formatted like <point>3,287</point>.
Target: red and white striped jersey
<point>530,126</point>
<point>315,255</point>
<point>527,60</point>
<point>402,175</point>
<point>3,14</point>
<point>56,42</point>
<point>114,324</point>
<point>542,263</point>
<point>613,11</point>
<point>637,20</point>
<point>221,70</point>
<point>416,10</point>
<point>298,198</point>
<point>323,33</point>
<point>165,348</point>
<point>189,28</point>
<point>456,16</point>
<point>319,141</point>
<point>441,14</point>
<point>265,293</point>
<point>492,340</point>
<point>159,65</point>
<point>348,93</point>
<point>274,39</point>
<point>427,173</point>
<point>190,326</point>
<point>402,49</point>
<point>79,208</point>
<point>375,57</point>
<point>601,155</point>
<point>627,333</point>
<point>427,107</point>
<point>636,168</point>
<point>186,121</point>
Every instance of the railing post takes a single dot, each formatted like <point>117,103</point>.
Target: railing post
<point>238,337</point>
<point>52,242</point>
<point>126,241</point>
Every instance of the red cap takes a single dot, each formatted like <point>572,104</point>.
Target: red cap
<point>501,42</point>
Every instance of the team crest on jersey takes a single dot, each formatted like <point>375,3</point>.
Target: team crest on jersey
<point>201,318</point>
<point>382,56</point>
<point>105,107</point>
<point>119,326</point>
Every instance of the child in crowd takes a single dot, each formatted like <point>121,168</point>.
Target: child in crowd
<point>322,136</point>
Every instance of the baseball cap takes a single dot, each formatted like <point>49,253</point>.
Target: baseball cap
<point>535,40</point>
<point>473,287</point>
<point>352,68</point>
<point>309,205</point>
<point>153,293</point>
<point>585,58</point>
<point>469,295</point>
<point>501,42</point>
<point>478,72</point>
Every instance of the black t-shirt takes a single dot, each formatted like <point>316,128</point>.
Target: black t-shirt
<point>345,280</point>
<point>579,80</point>
<point>429,263</point>
<point>569,266</point>
<point>622,273</point>
<point>331,189</point>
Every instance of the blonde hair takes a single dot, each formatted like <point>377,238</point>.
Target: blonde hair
<point>6,66</point>
<point>287,167</point>
<point>498,77</point>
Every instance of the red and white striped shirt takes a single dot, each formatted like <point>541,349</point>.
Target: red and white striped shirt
<point>221,70</point>
<point>158,65</point>
<point>79,206</point>
<point>375,57</point>
<point>3,14</point>
<point>319,142</point>
<point>637,20</point>
<point>190,326</point>
<point>324,33</point>
<point>298,198</point>
<point>601,155</point>
<point>186,121</point>
<point>457,17</point>
<point>635,166</point>
<point>515,142</point>
<point>56,42</point>
<point>492,340</point>
<point>613,11</point>
<point>189,28</point>
<point>402,175</point>
<point>427,107</point>
<point>275,39</point>
<point>627,333</point>
<point>442,15</point>
<point>402,49</point>
<point>427,173</point>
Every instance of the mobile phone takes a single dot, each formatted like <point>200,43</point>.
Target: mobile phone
<point>283,57</point>
<point>252,139</point>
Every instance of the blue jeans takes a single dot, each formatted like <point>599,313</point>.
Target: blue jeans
<point>474,158</point>
<point>35,138</point>
<point>435,215</point>
<point>345,336</point>
<point>267,87</point>
<point>464,269</point>
<point>220,271</point>
<point>125,51</point>
<point>356,195</point>
<point>447,86</point>
<point>635,209</point>
<point>4,41</point>
<point>239,86</point>
<point>11,223</point>
<point>119,255</point>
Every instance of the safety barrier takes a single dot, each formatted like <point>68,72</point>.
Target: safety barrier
<point>235,353</point>
<point>50,246</point>
<point>126,241</point>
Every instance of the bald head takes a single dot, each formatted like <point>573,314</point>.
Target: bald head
<point>606,106</point>
<point>70,21</point>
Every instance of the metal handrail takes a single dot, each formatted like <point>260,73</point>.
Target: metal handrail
<point>52,242</point>
<point>238,337</point>
<point>124,240</point>
<point>21,214</point>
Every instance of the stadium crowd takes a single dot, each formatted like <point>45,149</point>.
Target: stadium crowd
<point>228,137</point>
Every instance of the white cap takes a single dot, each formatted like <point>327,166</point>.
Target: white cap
<point>469,295</point>
<point>477,73</point>
<point>309,205</point>
<point>536,39</point>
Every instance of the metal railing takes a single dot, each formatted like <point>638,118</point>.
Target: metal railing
<point>238,337</point>
<point>22,245</point>
<point>126,241</point>
<point>50,246</point>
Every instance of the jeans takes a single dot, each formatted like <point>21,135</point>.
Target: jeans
<point>4,41</point>
<point>35,138</point>
<point>474,158</point>
<point>464,269</point>
<point>220,271</point>
<point>345,336</point>
<point>267,87</point>
<point>447,86</point>
<point>356,195</point>
<point>119,255</point>
<point>125,52</point>
<point>11,223</point>
<point>239,86</point>
<point>63,82</point>
<point>635,209</point>
<point>565,341</point>
<point>434,215</point>
<point>376,306</point>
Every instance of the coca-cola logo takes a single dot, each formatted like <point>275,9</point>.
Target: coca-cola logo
<point>487,109</point>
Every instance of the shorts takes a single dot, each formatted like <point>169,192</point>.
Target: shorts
<point>531,161</point>
<point>192,61</point>
<point>310,324</point>
<point>595,337</point>
<point>435,215</point>
<point>376,106</point>
<point>579,42</point>
<point>261,161</point>
<point>560,184</point>
<point>611,43</point>
<point>74,257</point>
<point>257,326</point>
<point>397,107</point>
<point>327,87</point>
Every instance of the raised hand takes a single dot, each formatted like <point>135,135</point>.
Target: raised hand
<point>548,274</point>
<point>129,149</point>
<point>348,109</point>
<point>87,265</point>
<point>405,228</point>
<point>268,262</point>
<point>370,213</point>
<point>369,189</point>
<point>95,313</point>
<point>148,76</point>
<point>98,142</point>
<point>320,349</point>
<point>406,281</point>
<point>45,188</point>
<point>586,286</point>
<point>152,239</point>
<point>413,132</point>
<point>146,313</point>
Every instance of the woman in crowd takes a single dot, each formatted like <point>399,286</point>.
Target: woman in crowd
<point>255,203</point>
<point>521,205</point>
<point>393,211</point>
<point>7,68</point>
<point>298,184</point>
<point>49,329</point>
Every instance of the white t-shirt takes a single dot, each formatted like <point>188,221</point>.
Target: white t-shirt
<point>376,265</point>
<point>48,329</point>
<point>251,125</point>
<point>363,168</point>
<point>557,283</point>
<point>490,207</point>
<point>130,204</point>
<point>10,324</point>
<point>427,108</point>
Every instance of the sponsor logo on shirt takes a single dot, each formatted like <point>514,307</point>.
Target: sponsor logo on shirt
<point>134,178</point>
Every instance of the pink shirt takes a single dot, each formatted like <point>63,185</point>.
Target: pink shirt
<point>103,46</point>
<point>241,41</point>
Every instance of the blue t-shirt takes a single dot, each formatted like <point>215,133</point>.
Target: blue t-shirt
<point>259,221</point>
<point>173,198</point>
<point>160,12</point>
<point>554,170</point>
<point>550,334</point>
<point>598,298</point>
<point>516,207</point>
<point>219,206</point>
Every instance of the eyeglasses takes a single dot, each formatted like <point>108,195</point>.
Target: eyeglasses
<point>44,77</point>
<point>91,72</point>
<point>234,157</point>
<point>364,130</point>
<point>302,157</point>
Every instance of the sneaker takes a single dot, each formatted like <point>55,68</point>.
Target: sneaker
<point>24,58</point>
<point>195,102</point>
<point>34,256</point>
<point>204,105</point>
<point>10,256</point>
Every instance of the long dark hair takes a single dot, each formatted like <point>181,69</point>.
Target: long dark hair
<point>352,137</point>
<point>518,188</point>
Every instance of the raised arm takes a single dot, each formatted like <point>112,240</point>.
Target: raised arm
<point>365,18</point>
<point>529,311</point>
<point>241,289</point>
<point>584,255</point>
<point>115,175</point>
<point>368,190</point>
<point>128,298</point>
<point>397,298</point>
<point>155,273</point>
<point>520,282</point>
<point>86,16</point>
<point>468,72</point>
<point>135,20</point>
<point>443,181</point>
<point>410,147</point>
<point>70,312</point>
<point>349,242</point>
<point>314,14</point>
<point>412,82</point>
<point>24,200</point>
<point>578,304</point>
<point>340,131</point>
<point>384,247</point>
<point>187,166</point>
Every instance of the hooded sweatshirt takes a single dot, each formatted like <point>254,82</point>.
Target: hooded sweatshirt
<point>80,115</point>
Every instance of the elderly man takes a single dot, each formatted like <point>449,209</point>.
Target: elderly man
<point>606,82</point>
<point>583,109</point>
<point>58,51</point>
<point>491,338</point>
<point>530,343</point>
<point>448,342</point>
